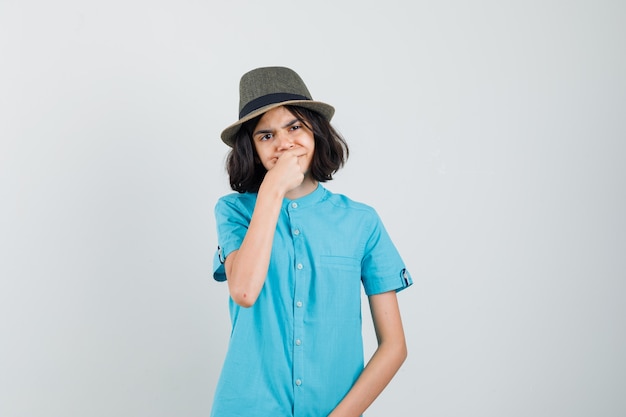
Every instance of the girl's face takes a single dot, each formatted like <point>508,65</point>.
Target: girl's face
<point>279,130</point>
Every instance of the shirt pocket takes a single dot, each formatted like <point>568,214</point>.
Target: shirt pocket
<point>343,263</point>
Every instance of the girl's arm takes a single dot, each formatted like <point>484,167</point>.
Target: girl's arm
<point>246,268</point>
<point>385,362</point>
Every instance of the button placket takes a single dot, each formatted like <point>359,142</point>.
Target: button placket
<point>301,277</point>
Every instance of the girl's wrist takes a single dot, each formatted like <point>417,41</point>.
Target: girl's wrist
<point>269,190</point>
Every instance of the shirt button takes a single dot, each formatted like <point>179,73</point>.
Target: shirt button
<point>298,382</point>
<point>296,232</point>
<point>299,304</point>
<point>300,266</point>
<point>298,342</point>
<point>294,205</point>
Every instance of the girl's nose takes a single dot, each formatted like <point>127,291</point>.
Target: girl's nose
<point>284,142</point>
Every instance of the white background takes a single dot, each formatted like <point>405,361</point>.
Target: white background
<point>489,135</point>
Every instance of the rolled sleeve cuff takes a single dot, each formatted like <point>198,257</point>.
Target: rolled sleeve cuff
<point>219,272</point>
<point>396,282</point>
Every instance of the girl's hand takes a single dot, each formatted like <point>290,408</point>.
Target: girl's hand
<point>286,174</point>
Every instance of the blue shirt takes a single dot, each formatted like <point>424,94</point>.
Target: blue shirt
<point>298,350</point>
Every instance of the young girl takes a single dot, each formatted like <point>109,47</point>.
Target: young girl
<point>294,256</point>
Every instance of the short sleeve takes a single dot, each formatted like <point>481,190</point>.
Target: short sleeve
<point>382,268</point>
<point>232,220</point>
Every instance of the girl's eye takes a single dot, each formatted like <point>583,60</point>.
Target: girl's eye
<point>295,127</point>
<point>265,137</point>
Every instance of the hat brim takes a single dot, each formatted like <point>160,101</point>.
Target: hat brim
<point>326,110</point>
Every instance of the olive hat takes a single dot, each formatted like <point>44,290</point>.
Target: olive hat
<point>265,88</point>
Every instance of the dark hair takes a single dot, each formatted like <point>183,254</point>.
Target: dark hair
<point>246,171</point>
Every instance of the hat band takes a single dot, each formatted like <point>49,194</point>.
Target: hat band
<point>262,101</point>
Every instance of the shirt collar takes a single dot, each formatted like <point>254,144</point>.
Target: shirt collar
<point>308,200</point>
